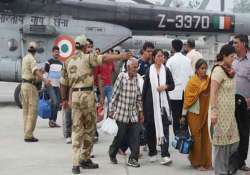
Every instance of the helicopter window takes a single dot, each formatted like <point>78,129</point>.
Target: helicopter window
<point>40,48</point>
<point>12,44</point>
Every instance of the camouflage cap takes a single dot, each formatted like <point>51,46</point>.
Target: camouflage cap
<point>81,39</point>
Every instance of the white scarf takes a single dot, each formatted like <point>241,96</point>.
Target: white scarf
<point>156,101</point>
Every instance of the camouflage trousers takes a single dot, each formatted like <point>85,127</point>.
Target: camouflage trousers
<point>83,125</point>
<point>29,96</point>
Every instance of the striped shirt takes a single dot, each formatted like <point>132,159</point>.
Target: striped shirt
<point>126,99</point>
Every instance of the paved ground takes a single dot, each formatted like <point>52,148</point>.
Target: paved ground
<point>51,156</point>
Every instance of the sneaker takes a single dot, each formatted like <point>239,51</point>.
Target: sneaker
<point>51,124</point>
<point>68,140</point>
<point>76,170</point>
<point>153,158</point>
<point>88,164</point>
<point>133,163</point>
<point>33,139</point>
<point>166,161</point>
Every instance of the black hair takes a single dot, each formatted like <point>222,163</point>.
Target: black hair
<point>199,63</point>
<point>148,45</point>
<point>177,45</point>
<point>111,50</point>
<point>98,49</point>
<point>117,51</point>
<point>32,50</point>
<point>243,38</point>
<point>191,43</point>
<point>231,43</point>
<point>90,41</point>
<point>55,48</point>
<point>141,52</point>
<point>78,46</point>
<point>225,51</point>
<point>166,54</point>
<point>155,53</point>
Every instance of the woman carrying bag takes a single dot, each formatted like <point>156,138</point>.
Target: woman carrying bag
<point>196,101</point>
<point>158,81</point>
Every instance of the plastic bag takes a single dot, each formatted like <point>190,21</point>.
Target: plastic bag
<point>109,127</point>
<point>44,107</point>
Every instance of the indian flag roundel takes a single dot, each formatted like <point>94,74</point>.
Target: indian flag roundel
<point>66,45</point>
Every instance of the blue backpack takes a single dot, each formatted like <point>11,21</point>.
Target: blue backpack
<point>44,107</point>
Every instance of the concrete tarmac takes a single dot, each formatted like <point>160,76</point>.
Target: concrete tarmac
<point>52,156</point>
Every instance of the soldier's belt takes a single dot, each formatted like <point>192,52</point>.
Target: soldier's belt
<point>83,89</point>
<point>36,83</point>
<point>29,81</point>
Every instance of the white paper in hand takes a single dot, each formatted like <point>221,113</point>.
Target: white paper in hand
<point>109,127</point>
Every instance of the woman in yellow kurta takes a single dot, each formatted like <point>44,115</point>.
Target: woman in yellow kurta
<point>196,102</point>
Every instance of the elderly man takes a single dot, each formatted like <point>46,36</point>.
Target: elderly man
<point>126,109</point>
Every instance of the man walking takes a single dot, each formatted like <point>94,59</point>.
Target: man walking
<point>180,67</point>
<point>53,69</point>
<point>77,74</point>
<point>242,111</point>
<point>126,109</point>
<point>29,92</point>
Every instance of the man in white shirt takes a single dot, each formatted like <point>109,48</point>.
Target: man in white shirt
<point>192,53</point>
<point>180,67</point>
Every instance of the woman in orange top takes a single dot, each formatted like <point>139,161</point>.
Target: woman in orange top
<point>196,102</point>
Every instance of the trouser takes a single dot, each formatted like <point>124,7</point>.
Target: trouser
<point>242,118</point>
<point>67,123</point>
<point>176,106</point>
<point>54,95</point>
<point>29,95</point>
<point>108,95</point>
<point>131,131</point>
<point>142,139</point>
<point>83,130</point>
<point>222,153</point>
<point>151,138</point>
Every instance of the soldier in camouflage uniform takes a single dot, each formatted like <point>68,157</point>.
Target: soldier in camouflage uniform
<point>77,74</point>
<point>29,93</point>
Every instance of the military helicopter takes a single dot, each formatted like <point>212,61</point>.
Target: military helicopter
<point>108,23</point>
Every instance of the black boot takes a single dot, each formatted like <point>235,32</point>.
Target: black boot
<point>88,164</point>
<point>33,139</point>
<point>76,170</point>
